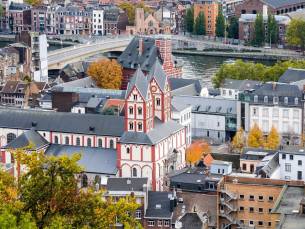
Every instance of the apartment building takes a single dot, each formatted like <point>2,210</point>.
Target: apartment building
<point>210,10</point>
<point>98,22</point>
<point>245,202</point>
<point>19,17</point>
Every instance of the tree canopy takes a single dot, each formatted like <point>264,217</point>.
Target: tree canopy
<point>106,73</point>
<point>295,34</point>
<point>220,24</point>
<point>47,196</point>
<point>34,2</point>
<point>239,140</point>
<point>200,24</point>
<point>259,31</point>
<point>233,28</point>
<point>130,9</point>
<point>241,70</point>
<point>189,20</point>
<point>196,150</point>
<point>273,139</point>
<point>255,137</point>
<point>272,30</point>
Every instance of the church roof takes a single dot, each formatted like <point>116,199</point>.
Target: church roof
<point>140,82</point>
<point>160,132</point>
<point>158,74</point>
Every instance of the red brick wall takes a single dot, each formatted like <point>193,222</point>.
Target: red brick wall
<point>250,6</point>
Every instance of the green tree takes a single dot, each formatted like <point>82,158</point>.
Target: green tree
<point>189,20</point>
<point>255,137</point>
<point>1,10</point>
<point>272,30</point>
<point>295,34</point>
<point>130,9</point>
<point>259,31</point>
<point>233,28</point>
<point>34,2</point>
<point>200,24</point>
<point>220,24</point>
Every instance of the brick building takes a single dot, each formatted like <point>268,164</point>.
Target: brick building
<point>19,17</point>
<point>274,6</point>
<point>115,21</point>
<point>210,10</point>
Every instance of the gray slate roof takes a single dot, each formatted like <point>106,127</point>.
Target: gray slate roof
<point>126,184</point>
<point>282,3</point>
<point>292,75</point>
<point>268,164</point>
<point>140,81</point>
<point>93,160</point>
<point>191,220</point>
<point>104,125</point>
<point>94,102</point>
<point>240,85</point>
<point>158,198</point>
<point>184,86</point>
<point>160,132</point>
<point>132,59</point>
<point>158,74</point>
<point>30,137</point>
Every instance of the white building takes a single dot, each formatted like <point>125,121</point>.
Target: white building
<point>98,22</point>
<point>183,115</point>
<point>292,165</point>
<point>221,167</point>
<point>40,57</point>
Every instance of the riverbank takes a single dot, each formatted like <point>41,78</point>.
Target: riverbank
<point>242,55</point>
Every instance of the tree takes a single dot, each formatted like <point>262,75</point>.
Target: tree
<point>272,30</point>
<point>239,140</point>
<point>259,30</point>
<point>220,24</point>
<point>189,20</point>
<point>47,196</point>
<point>273,139</point>
<point>233,28</point>
<point>255,137</point>
<point>295,34</point>
<point>1,10</point>
<point>200,24</point>
<point>34,2</point>
<point>196,150</point>
<point>106,73</point>
<point>130,9</point>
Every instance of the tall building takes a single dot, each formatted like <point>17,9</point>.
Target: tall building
<point>98,22</point>
<point>210,10</point>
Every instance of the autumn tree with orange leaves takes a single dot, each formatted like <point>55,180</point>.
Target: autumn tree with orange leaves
<point>196,150</point>
<point>106,73</point>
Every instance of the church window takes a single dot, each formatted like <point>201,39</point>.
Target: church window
<point>78,141</point>
<point>89,142</point>
<point>140,126</point>
<point>111,144</point>
<point>131,110</point>
<point>100,143</point>
<point>140,110</point>
<point>67,140</point>
<point>135,97</point>
<point>10,137</point>
<point>128,150</point>
<point>131,126</point>
<point>56,140</point>
<point>134,172</point>
<point>158,101</point>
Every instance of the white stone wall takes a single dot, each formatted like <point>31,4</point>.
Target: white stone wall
<point>291,164</point>
<point>98,22</point>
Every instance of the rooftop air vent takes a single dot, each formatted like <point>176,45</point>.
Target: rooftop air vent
<point>91,128</point>
<point>158,206</point>
<point>34,124</point>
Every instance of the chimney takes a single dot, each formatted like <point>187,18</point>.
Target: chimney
<point>265,10</point>
<point>141,46</point>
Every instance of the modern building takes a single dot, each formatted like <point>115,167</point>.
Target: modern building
<point>98,22</point>
<point>221,167</point>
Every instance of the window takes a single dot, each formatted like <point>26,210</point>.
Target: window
<point>135,97</point>
<point>138,214</point>
<point>254,111</point>
<point>130,126</point>
<point>265,112</point>
<point>166,223</point>
<point>287,167</point>
<point>78,141</point>
<point>97,179</point>
<point>251,197</point>
<point>285,113</point>
<point>286,100</point>
<point>296,101</point>
<point>230,92</point>
<point>275,100</point>
<point>84,181</point>
<point>295,114</point>
<point>255,98</point>
<point>251,223</point>
<point>270,198</point>
<point>89,142</point>
<point>244,167</point>
<point>56,140</point>
<point>299,162</point>
<point>241,208</point>
<point>260,210</point>
<point>160,223</point>
<point>100,143</point>
<point>131,110</point>
<point>140,110</point>
<point>67,140</point>
<point>283,156</point>
<point>134,172</point>
<point>10,137</point>
<point>291,157</point>
<point>158,101</point>
<point>111,144</point>
<point>151,223</point>
<point>128,150</point>
<point>140,126</point>
<point>269,224</point>
<point>260,223</point>
<point>275,112</point>
<point>265,99</point>
<point>260,198</point>
<point>251,209</point>
<point>241,197</point>
<point>300,177</point>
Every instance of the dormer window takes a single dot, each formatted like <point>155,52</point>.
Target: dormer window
<point>131,110</point>
<point>256,98</point>
<point>286,100</point>
<point>265,99</point>
<point>296,101</point>
<point>275,100</point>
<point>135,97</point>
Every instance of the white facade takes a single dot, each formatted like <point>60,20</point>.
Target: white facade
<point>41,74</point>
<point>78,110</point>
<point>292,165</point>
<point>184,117</point>
<point>287,120</point>
<point>229,93</point>
<point>221,167</point>
<point>98,22</point>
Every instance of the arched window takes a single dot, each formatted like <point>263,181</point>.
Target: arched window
<point>67,140</point>
<point>134,172</point>
<point>128,150</point>
<point>84,181</point>
<point>89,142</point>
<point>130,110</point>
<point>158,101</point>
<point>111,144</point>
<point>78,141</point>
<point>131,126</point>
<point>10,137</point>
<point>140,110</point>
<point>140,126</point>
<point>56,140</point>
<point>100,143</point>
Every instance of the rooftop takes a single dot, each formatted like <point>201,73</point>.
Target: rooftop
<point>126,184</point>
<point>159,205</point>
<point>292,75</point>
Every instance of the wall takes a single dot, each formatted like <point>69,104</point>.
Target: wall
<point>289,167</point>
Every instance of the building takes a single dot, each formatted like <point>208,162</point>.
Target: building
<point>250,158</point>
<point>210,10</point>
<point>19,17</point>
<point>228,7</point>
<point>274,104</point>
<point>115,21</point>
<point>98,22</point>
<point>212,118</point>
<point>247,22</point>
<point>292,165</point>
<point>248,202</point>
<point>273,6</point>
<point>9,64</point>
<point>221,167</point>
